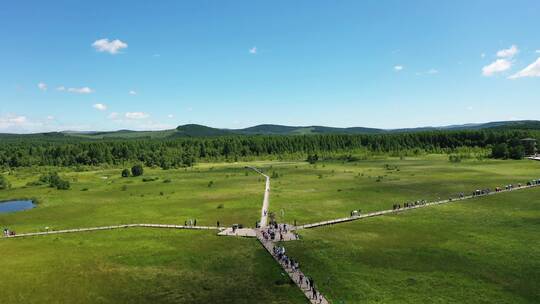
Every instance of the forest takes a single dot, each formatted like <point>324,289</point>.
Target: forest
<point>25,151</point>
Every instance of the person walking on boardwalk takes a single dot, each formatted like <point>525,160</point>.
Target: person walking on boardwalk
<point>217,224</point>
<point>195,222</point>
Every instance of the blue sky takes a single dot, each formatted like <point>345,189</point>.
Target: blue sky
<point>107,65</point>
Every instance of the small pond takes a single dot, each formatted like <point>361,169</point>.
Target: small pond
<point>16,205</point>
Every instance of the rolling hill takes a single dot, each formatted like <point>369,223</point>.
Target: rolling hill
<point>195,130</point>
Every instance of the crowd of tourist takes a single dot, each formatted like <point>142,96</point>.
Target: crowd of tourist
<point>191,222</point>
<point>478,192</point>
<point>8,232</point>
<point>409,204</point>
<point>277,232</point>
<point>292,265</point>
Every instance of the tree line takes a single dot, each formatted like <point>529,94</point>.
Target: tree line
<point>184,152</point>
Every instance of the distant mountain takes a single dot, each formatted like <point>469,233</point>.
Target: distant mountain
<point>270,129</point>
<point>515,125</point>
<point>194,130</point>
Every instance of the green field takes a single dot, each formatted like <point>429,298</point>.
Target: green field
<point>102,197</point>
<point>310,193</point>
<point>478,251</point>
<point>447,254</point>
<point>141,266</point>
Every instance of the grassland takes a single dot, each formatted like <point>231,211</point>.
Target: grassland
<point>102,197</point>
<point>141,266</point>
<point>478,251</point>
<point>451,253</point>
<point>310,193</point>
<point>300,191</point>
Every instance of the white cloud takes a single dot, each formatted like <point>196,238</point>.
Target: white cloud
<point>42,86</point>
<point>17,119</point>
<point>508,53</point>
<point>132,92</point>
<point>113,115</point>
<point>532,70</point>
<point>253,50</point>
<point>398,68</point>
<point>433,71</point>
<point>18,124</point>
<point>170,116</point>
<point>50,117</point>
<point>499,65</point>
<point>538,51</point>
<point>136,115</point>
<point>83,90</point>
<point>100,107</point>
<point>482,55</point>
<point>111,47</point>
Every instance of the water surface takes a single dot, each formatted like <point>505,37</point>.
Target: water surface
<point>16,205</point>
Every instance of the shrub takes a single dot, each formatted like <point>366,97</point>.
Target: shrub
<point>4,183</point>
<point>62,185</point>
<point>210,184</point>
<point>499,151</point>
<point>166,181</point>
<point>312,159</point>
<point>125,173</point>
<point>137,170</point>
<point>517,152</point>
<point>54,180</point>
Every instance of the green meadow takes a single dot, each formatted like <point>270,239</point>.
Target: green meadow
<point>451,253</point>
<point>483,250</point>
<point>311,193</point>
<point>141,266</point>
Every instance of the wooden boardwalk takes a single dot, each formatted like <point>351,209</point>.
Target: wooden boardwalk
<point>294,274</point>
<point>390,211</point>
<point>245,232</point>
<point>111,228</point>
<point>266,199</point>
